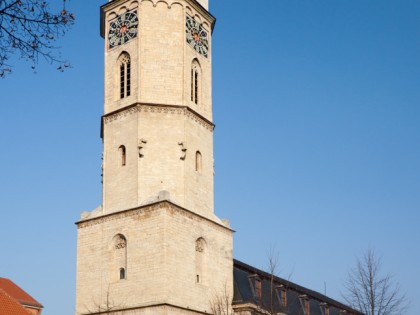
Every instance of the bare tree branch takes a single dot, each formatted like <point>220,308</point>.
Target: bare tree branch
<point>372,293</point>
<point>221,304</point>
<point>30,29</point>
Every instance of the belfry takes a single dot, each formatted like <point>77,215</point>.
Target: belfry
<point>154,246</point>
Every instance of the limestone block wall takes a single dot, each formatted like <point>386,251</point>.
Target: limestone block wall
<point>161,260</point>
<point>120,181</point>
<point>161,146</point>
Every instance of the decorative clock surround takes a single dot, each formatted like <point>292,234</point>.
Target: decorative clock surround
<point>122,29</point>
<point>197,36</point>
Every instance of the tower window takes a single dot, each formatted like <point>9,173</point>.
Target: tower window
<point>122,273</point>
<point>128,78</point>
<point>200,260</point>
<point>122,81</point>
<point>125,75</point>
<point>118,258</point>
<point>195,81</point>
<point>192,85</point>
<point>196,87</point>
<point>123,154</point>
<point>198,161</point>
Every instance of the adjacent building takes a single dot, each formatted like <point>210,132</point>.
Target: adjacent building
<point>15,301</point>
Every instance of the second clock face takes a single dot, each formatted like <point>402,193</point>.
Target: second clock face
<point>122,29</point>
<point>197,36</point>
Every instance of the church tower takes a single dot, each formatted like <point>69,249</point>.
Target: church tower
<point>155,246</point>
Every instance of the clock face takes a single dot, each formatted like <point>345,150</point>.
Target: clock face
<point>197,36</point>
<point>122,29</point>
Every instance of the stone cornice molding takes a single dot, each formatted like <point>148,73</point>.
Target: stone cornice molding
<point>141,210</point>
<point>158,108</point>
<point>193,3</point>
<point>159,305</point>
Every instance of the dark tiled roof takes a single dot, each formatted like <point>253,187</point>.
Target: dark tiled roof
<point>244,293</point>
<point>9,306</point>
<point>17,293</point>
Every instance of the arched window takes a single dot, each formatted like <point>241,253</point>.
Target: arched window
<point>198,161</point>
<point>118,263</point>
<point>124,62</point>
<point>200,260</point>
<point>195,81</point>
<point>123,155</point>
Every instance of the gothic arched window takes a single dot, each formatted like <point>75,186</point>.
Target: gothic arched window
<point>195,81</point>
<point>200,260</point>
<point>124,62</point>
<point>118,263</point>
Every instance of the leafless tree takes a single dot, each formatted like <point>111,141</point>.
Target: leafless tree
<point>221,304</point>
<point>106,308</point>
<point>29,29</point>
<point>371,292</point>
<point>272,268</point>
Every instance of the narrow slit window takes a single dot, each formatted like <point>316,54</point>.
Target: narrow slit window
<point>196,87</point>
<point>122,273</point>
<point>195,81</point>
<point>128,78</point>
<point>192,85</point>
<point>123,153</point>
<point>198,162</point>
<point>122,80</point>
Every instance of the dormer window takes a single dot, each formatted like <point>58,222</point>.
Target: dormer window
<point>305,303</point>
<point>282,295</point>
<point>256,286</point>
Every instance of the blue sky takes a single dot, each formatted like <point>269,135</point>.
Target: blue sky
<point>317,143</point>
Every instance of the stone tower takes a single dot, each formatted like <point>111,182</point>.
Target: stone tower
<point>155,245</point>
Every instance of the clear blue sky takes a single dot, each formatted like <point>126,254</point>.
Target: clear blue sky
<point>317,144</point>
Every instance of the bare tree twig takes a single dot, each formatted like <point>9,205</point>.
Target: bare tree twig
<point>29,29</point>
<point>372,293</point>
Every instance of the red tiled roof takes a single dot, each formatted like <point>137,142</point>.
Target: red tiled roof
<point>9,306</point>
<point>17,293</point>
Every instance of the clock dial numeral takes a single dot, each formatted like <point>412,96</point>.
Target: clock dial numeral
<point>196,36</point>
<point>122,29</point>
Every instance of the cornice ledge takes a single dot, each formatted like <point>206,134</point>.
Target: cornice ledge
<point>175,109</point>
<point>152,206</point>
<point>139,307</point>
<point>115,3</point>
